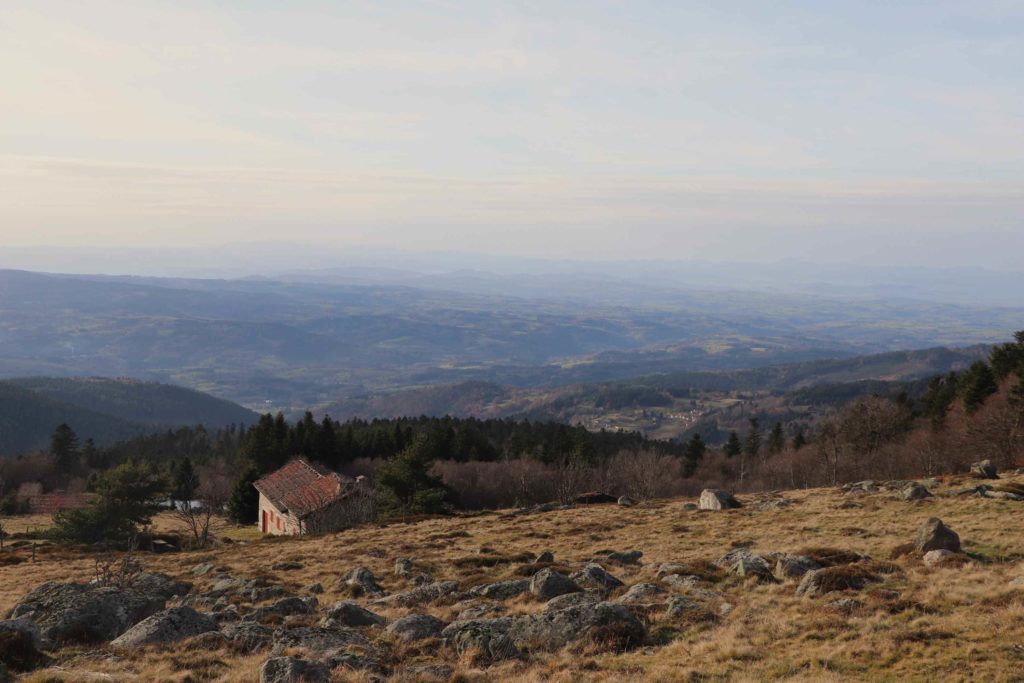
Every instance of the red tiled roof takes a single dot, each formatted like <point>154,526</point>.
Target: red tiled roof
<point>301,487</point>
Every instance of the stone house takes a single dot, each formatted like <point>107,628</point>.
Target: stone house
<point>300,497</point>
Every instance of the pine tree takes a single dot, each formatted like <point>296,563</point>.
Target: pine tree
<point>184,481</point>
<point>695,448</point>
<point>776,439</point>
<point>799,440</point>
<point>244,503</point>
<point>406,482</point>
<point>732,446</point>
<point>977,384</point>
<point>64,447</point>
<point>752,444</point>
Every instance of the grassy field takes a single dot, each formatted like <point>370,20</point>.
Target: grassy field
<point>944,623</point>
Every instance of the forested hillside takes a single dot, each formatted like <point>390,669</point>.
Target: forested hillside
<point>104,410</point>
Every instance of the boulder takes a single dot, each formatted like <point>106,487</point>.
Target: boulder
<point>572,600</point>
<point>625,557</point>
<point>286,566</point>
<point>315,588</point>
<point>421,595</point>
<point>679,607</point>
<point>328,644</point>
<point>347,613</point>
<point>416,627</point>
<point>248,636</point>
<point>641,594</point>
<point>717,499</point>
<point>285,607</point>
<point>595,576</point>
<point>547,584</point>
<point>85,613</point>
<point>293,670</point>
<point>794,566</point>
<point>914,492</point>
<point>486,639</point>
<point>20,647</point>
<point>626,502</point>
<point>546,557</point>
<point>934,535</point>
<point>162,585</point>
<point>752,565</point>
<point>984,469</point>
<point>168,626</point>
<point>839,578</point>
<point>363,582</point>
<point>403,566</point>
<point>614,626</point>
<point>934,557</point>
<point>202,569</point>
<point>502,590</point>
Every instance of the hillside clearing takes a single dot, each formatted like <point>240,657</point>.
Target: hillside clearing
<point>945,622</point>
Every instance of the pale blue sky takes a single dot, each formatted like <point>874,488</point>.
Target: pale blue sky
<point>854,131</point>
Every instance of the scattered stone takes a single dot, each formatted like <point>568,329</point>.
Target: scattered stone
<point>717,499</point>
<point>914,492</point>
<point>860,487</point>
<point>849,505</point>
<point>348,613</point>
<point>625,557</point>
<point>403,566</point>
<point>315,588</point>
<point>416,627</point>
<point>168,626</point>
<point>421,595</point>
<point>487,639</point>
<point>286,566</point>
<point>502,590</point>
<point>934,557</point>
<point>363,581</point>
<point>595,575</point>
<point>20,647</point>
<point>640,594</point>
<point>846,605</point>
<point>794,566</point>
<point>441,672</point>
<point>248,636</point>
<point>614,626</point>
<point>1019,581</point>
<point>773,504</point>
<point>202,569</point>
<point>155,583</point>
<point>479,611</point>
<point>839,578</point>
<point>690,506</point>
<point>571,600</point>
<point>546,557</point>
<point>326,643</point>
<point>85,613</point>
<point>293,670</point>
<point>626,502</point>
<point>285,607</point>
<point>263,593</point>
<point>753,565</point>
<point>934,535</point>
<point>547,584</point>
<point>667,568</point>
<point>679,607</point>
<point>984,469</point>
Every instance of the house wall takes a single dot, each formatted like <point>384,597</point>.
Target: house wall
<point>278,523</point>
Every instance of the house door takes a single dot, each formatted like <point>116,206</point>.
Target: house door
<point>265,527</point>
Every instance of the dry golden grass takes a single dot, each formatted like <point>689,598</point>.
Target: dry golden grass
<point>918,624</point>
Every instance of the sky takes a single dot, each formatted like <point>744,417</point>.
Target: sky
<point>861,131</point>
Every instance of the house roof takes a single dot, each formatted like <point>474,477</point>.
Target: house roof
<point>301,487</point>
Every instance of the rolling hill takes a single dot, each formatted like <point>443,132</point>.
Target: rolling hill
<point>102,409</point>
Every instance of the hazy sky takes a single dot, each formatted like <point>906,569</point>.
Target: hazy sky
<point>842,131</point>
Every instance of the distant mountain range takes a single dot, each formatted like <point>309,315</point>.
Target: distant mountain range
<point>104,410</point>
<point>312,339</point>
